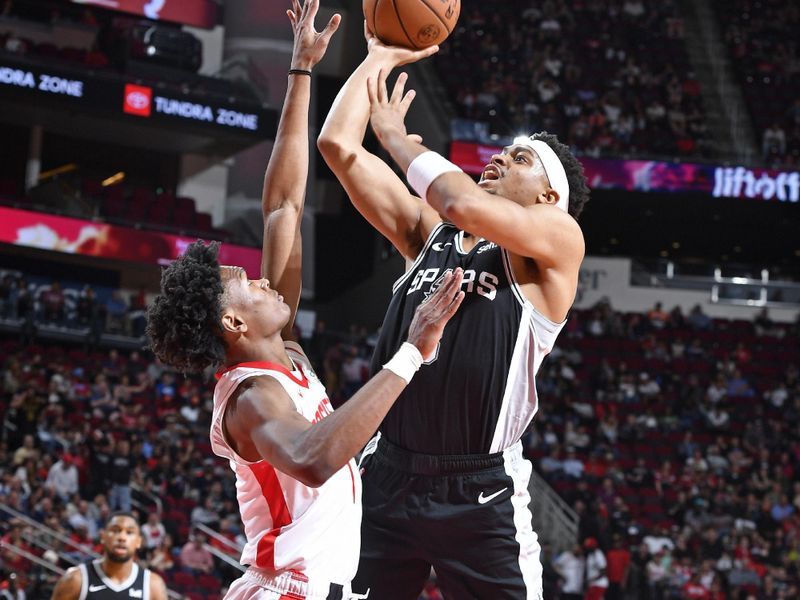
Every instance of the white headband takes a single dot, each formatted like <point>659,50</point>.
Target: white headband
<point>552,168</point>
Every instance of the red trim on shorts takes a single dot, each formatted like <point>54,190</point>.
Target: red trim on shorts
<point>269,366</point>
<point>271,490</point>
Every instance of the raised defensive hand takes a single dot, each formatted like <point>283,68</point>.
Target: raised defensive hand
<point>309,44</point>
<point>433,314</point>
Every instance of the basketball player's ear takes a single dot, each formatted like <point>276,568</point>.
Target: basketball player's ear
<point>232,323</point>
<point>549,196</point>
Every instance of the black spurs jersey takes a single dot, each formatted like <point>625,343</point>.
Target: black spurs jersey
<point>96,586</point>
<point>477,395</point>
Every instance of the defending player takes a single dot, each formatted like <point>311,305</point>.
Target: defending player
<point>298,488</point>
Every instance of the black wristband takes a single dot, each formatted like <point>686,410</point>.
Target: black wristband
<point>299,72</point>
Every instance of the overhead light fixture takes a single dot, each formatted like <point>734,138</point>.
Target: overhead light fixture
<point>115,178</point>
<point>68,168</point>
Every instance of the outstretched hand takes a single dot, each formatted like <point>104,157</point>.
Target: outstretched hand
<point>388,113</point>
<point>433,314</point>
<point>309,44</point>
<point>395,56</point>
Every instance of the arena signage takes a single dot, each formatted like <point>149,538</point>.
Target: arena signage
<point>139,100</point>
<point>199,13</point>
<point>116,98</point>
<point>659,176</point>
<point>738,182</point>
<point>43,82</point>
<point>101,240</point>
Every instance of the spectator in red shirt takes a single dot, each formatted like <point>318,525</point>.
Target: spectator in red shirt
<point>693,589</point>
<point>619,561</point>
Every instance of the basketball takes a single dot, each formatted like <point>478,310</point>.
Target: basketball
<point>414,24</point>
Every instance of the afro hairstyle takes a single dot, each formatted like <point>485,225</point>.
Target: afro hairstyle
<point>184,324</point>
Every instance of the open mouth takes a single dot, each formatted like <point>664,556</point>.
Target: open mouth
<point>490,173</point>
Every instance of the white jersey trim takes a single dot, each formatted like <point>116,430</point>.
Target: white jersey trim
<point>519,470</point>
<point>547,329</point>
<point>116,587</point>
<point>536,335</point>
<point>434,232</point>
<point>84,581</point>
<point>146,585</point>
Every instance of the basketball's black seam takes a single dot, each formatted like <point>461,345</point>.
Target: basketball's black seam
<point>433,10</point>
<point>402,25</point>
<point>374,20</point>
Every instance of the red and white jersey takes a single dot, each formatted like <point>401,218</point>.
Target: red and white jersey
<point>290,526</point>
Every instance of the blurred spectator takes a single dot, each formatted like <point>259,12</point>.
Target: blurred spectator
<point>194,557</point>
<point>63,477</point>
<point>571,566</point>
<point>698,319</point>
<point>116,313</point>
<point>619,562</point>
<point>161,559</point>
<point>121,468</point>
<point>205,514</point>
<point>354,372</point>
<point>572,465</point>
<point>81,517</point>
<point>774,142</point>
<point>53,303</point>
<point>596,568</point>
<point>26,451</point>
<point>153,532</point>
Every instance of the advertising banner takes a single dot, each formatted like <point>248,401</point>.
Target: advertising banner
<point>198,13</point>
<point>81,90</point>
<point>76,236</point>
<point>657,176</point>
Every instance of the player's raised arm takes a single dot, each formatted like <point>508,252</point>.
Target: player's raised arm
<point>532,227</point>
<point>287,172</point>
<point>374,189</point>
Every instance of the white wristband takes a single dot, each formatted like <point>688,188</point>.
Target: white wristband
<point>425,169</point>
<point>406,361</point>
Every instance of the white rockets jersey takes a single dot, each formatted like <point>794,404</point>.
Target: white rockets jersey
<point>290,526</point>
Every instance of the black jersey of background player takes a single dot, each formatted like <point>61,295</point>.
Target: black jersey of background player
<point>96,586</point>
<point>478,394</point>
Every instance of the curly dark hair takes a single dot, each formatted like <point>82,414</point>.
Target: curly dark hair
<point>184,324</point>
<point>578,189</point>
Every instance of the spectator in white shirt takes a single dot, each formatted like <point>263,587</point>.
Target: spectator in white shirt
<point>63,478</point>
<point>596,579</point>
<point>153,532</point>
<point>571,565</point>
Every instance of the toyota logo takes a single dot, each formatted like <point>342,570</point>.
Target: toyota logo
<point>138,100</point>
